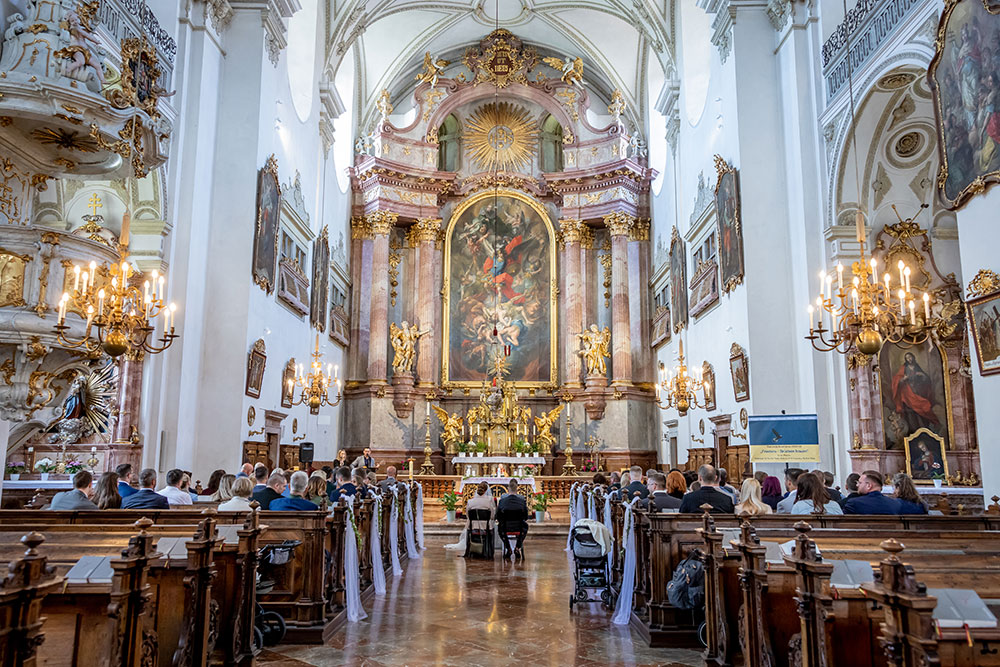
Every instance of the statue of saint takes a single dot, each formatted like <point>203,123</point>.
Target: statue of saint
<point>451,426</point>
<point>596,347</point>
<point>543,425</point>
<point>404,340</point>
<point>74,404</point>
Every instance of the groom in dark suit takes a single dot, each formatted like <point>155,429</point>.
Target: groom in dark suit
<point>512,517</point>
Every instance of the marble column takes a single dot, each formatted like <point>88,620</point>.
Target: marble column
<point>129,396</point>
<point>639,310</point>
<point>381,225</point>
<point>619,225</point>
<point>571,235</point>
<point>588,276</point>
<point>424,235</point>
<point>361,267</point>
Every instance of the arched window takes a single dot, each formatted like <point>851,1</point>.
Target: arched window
<point>552,142</point>
<point>448,144</point>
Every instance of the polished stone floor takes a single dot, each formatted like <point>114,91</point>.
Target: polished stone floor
<point>446,610</point>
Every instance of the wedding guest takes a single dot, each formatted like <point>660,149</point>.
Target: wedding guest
<point>341,460</point>
<point>260,477</point>
<point>240,502</point>
<point>328,473</point>
<point>224,488</point>
<point>246,470</point>
<point>725,486</point>
<point>390,479</point>
<point>271,492</point>
<point>659,499</point>
<point>906,493</point>
<point>146,497</point>
<point>124,472</point>
<point>600,479</point>
<point>635,485</point>
<point>373,481</point>
<point>785,504</point>
<point>750,499</point>
<point>106,495</point>
<point>213,482</point>
<point>871,500</point>
<point>187,488</point>
<point>827,479</point>
<point>78,498</point>
<point>676,484</point>
<point>173,492</point>
<point>760,476</point>
<point>707,492</point>
<point>771,492</point>
<point>316,489</point>
<point>812,498</point>
<point>851,484</point>
<point>297,484</point>
<point>360,478</point>
<point>344,486</point>
<point>616,481</point>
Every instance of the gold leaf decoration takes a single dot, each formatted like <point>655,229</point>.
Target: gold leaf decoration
<point>501,136</point>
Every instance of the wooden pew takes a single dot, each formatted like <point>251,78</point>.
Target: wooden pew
<point>29,580</point>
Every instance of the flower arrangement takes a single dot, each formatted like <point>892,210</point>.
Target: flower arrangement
<point>450,501</point>
<point>540,501</point>
<point>45,465</point>
<point>15,467</point>
<point>588,465</point>
<point>481,446</point>
<point>74,466</point>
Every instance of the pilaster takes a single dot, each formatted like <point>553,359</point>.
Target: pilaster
<point>381,223</point>
<point>572,232</point>
<point>620,225</point>
<point>424,235</point>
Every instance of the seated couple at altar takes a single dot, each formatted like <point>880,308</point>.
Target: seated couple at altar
<point>511,515</point>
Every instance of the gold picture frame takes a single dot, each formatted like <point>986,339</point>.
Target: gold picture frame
<point>140,72</point>
<point>267,226</point>
<point>929,463</point>
<point>553,290</point>
<point>256,363</point>
<point>728,215</point>
<point>739,368</point>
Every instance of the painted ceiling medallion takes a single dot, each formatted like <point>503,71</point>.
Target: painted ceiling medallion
<point>501,136</point>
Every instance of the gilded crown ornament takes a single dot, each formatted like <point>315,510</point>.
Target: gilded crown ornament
<point>315,385</point>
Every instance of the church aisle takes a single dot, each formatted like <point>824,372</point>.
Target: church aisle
<point>450,611</point>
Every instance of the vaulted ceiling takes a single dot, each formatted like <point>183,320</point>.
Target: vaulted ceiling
<point>389,38</point>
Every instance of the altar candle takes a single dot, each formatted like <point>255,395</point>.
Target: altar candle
<point>93,450</point>
<point>31,450</point>
<point>427,413</point>
<point>927,308</point>
<point>410,463</point>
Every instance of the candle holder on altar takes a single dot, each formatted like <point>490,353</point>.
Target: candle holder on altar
<point>569,470</point>
<point>93,460</point>
<point>427,467</point>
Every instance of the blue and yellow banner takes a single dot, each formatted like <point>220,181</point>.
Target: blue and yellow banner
<point>784,438</point>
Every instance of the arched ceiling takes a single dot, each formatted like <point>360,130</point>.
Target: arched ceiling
<point>390,37</point>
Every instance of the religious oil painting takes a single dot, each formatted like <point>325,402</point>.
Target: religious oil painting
<point>984,318</point>
<point>265,240</point>
<point>678,282</point>
<point>739,368</point>
<point>256,361</point>
<point>965,78</point>
<point>320,281</point>
<point>499,296</point>
<point>727,207</point>
<point>915,392</point>
<point>925,456</point>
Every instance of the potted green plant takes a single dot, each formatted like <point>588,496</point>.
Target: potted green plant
<point>481,448</point>
<point>44,466</point>
<point>14,469</point>
<point>74,466</point>
<point>463,447</point>
<point>450,502</point>
<point>540,502</point>
<point>938,479</point>
<point>521,447</point>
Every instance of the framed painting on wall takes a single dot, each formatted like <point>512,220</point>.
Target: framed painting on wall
<point>287,384</point>
<point>915,392</point>
<point>984,318</point>
<point>730,223</point>
<point>256,361</point>
<point>265,238</point>
<point>678,281</point>
<point>708,376</point>
<point>318,298</point>
<point>739,366</point>
<point>925,456</point>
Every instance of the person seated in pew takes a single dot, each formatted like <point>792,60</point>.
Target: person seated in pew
<point>483,500</point>
<point>146,497</point>
<point>390,479</point>
<point>659,499</point>
<point>760,476</point>
<point>214,481</point>
<point>295,501</point>
<point>344,485</point>
<point>635,485</point>
<point>725,486</point>
<point>106,495</point>
<point>187,487</point>
<point>78,498</point>
<point>851,485</point>
<point>785,504</point>
<point>316,488</point>
<point>260,477</point>
<point>676,485</point>
<point>750,500</point>
<point>770,492</point>
<point>359,476</point>
<point>871,500</point>
<point>373,483</point>
<point>827,479</point>
<point>812,497</point>
<point>246,470</point>
<point>240,502</point>
<point>288,481</point>
<point>224,488</point>
<point>512,517</point>
<point>906,494</point>
<point>172,491</point>
<point>125,479</point>
<point>708,492</point>
<point>615,481</point>
<point>271,492</point>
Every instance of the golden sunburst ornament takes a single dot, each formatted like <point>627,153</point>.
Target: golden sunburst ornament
<point>501,136</point>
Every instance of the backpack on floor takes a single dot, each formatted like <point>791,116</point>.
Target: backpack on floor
<point>686,589</point>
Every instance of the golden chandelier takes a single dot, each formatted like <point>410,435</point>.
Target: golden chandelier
<point>867,312</point>
<point>678,389</point>
<point>124,316</point>
<point>315,385</point>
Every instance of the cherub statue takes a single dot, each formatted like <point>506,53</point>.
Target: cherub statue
<point>451,426</point>
<point>596,346</point>
<point>383,105</point>
<point>571,68</point>
<point>82,44</point>
<point>543,425</point>
<point>404,339</point>
<point>433,68</point>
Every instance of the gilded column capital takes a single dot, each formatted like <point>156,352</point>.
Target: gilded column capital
<point>640,231</point>
<point>571,230</point>
<point>382,222</point>
<point>360,228</point>
<point>426,230</point>
<point>619,223</point>
<point>587,238</point>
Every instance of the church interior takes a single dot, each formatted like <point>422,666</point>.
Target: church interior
<point>341,332</point>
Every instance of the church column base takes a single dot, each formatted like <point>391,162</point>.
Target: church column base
<point>595,400</point>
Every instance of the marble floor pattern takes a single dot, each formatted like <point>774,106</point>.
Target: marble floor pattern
<point>446,610</point>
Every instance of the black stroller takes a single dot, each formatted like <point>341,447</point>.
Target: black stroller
<point>269,626</point>
<point>590,569</point>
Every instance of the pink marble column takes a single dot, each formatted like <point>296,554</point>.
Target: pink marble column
<point>361,267</point>
<point>129,396</point>
<point>381,223</point>
<point>869,404</point>
<point>619,225</point>
<point>639,308</point>
<point>588,276</point>
<point>424,235</point>
<point>571,233</point>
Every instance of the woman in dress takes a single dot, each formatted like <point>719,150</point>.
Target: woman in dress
<point>750,500</point>
<point>240,502</point>
<point>770,491</point>
<point>811,497</point>
<point>676,484</point>
<point>906,494</point>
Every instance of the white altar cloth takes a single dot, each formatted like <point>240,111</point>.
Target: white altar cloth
<point>512,460</point>
<point>473,481</point>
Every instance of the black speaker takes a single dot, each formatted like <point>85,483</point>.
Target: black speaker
<point>305,452</point>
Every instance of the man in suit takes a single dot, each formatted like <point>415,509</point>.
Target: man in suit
<point>146,498</point>
<point>271,492</point>
<point>791,479</point>
<point>659,499</point>
<point>512,517</point>
<point>344,485</point>
<point>871,500</point>
<point>390,479</point>
<point>79,497</point>
<point>365,460</point>
<point>636,485</point>
<point>708,492</point>
<point>295,500</point>
<point>259,477</point>
<point>125,488</point>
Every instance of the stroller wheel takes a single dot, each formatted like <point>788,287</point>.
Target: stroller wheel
<point>272,627</point>
<point>258,639</point>
<point>572,600</point>
<point>606,597</point>
<point>703,634</point>
<point>581,595</point>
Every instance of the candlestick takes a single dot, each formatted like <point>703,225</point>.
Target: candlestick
<point>840,276</point>
<point>810,310</point>
<point>927,308</point>
<point>76,278</point>
<point>913,318</point>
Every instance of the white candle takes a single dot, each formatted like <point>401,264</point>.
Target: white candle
<point>93,450</point>
<point>145,290</point>
<point>90,315</point>
<point>100,303</point>
<point>854,297</point>
<point>900,266</point>
<point>31,450</point>
<point>927,308</point>
<point>173,311</point>
<point>859,225</point>
<point>811,310</point>
<point>428,411</point>
<point>902,302</point>
<point>906,275</point>
<point>84,281</point>
<point>160,291</point>
<point>822,276</point>
<point>874,264</point>
<point>840,276</point>
<point>886,276</point>
<point>913,317</point>
<point>76,278</point>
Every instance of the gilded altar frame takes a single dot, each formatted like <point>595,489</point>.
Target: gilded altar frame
<point>553,290</point>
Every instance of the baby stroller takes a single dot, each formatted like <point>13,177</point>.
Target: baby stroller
<point>591,569</point>
<point>269,626</point>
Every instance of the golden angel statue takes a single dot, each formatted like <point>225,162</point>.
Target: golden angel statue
<point>596,347</point>
<point>571,68</point>
<point>451,426</point>
<point>543,425</point>
<point>404,340</point>
<point>433,68</point>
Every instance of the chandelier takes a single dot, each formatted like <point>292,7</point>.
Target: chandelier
<point>677,389</point>
<point>315,385</point>
<point>868,311</point>
<point>121,314</point>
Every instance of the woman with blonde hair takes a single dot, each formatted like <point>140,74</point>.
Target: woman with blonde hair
<point>241,489</point>
<point>225,490</point>
<point>316,488</point>
<point>750,501</point>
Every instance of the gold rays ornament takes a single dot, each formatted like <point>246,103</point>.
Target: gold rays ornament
<point>501,136</point>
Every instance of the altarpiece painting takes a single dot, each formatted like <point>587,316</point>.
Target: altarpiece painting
<point>915,392</point>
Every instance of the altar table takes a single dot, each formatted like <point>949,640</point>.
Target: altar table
<point>494,481</point>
